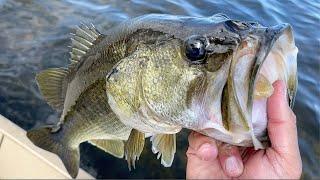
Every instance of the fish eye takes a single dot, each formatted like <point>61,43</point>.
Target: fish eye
<point>195,49</point>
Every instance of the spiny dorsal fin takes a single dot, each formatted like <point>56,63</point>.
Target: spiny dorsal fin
<point>113,147</point>
<point>84,38</point>
<point>165,146</point>
<point>133,147</point>
<point>52,84</point>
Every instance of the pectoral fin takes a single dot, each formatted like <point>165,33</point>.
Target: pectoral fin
<point>263,87</point>
<point>113,147</point>
<point>134,147</point>
<point>165,146</point>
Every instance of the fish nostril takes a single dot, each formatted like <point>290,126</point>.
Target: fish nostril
<point>253,23</point>
<point>234,25</point>
<point>231,26</point>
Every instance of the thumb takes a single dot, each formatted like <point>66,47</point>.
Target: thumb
<point>202,161</point>
<point>282,128</point>
<point>202,146</point>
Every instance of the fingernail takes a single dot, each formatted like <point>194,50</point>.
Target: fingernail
<point>207,152</point>
<point>233,166</point>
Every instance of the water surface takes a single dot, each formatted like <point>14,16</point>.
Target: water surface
<point>34,35</point>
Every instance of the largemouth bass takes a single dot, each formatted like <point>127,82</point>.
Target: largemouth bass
<point>156,74</point>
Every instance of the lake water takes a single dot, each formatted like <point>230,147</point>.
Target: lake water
<point>34,35</point>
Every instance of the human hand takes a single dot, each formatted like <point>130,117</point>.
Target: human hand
<point>208,159</point>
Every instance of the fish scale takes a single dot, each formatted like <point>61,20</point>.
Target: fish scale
<point>92,118</point>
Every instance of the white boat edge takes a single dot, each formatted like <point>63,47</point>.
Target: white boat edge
<point>20,159</point>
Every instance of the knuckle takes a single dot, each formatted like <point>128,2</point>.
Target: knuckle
<point>189,152</point>
<point>190,137</point>
<point>193,136</point>
<point>196,134</point>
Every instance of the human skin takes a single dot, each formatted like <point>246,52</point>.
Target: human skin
<point>210,159</point>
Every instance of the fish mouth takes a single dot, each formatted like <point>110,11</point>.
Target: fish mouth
<point>276,60</point>
<point>263,57</point>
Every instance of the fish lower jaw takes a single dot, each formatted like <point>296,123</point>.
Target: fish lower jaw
<point>211,124</point>
<point>223,135</point>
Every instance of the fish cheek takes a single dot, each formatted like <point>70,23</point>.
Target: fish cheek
<point>160,84</point>
<point>215,61</point>
<point>165,88</point>
<point>196,89</point>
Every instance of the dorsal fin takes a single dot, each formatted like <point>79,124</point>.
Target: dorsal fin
<point>52,83</point>
<point>83,39</point>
